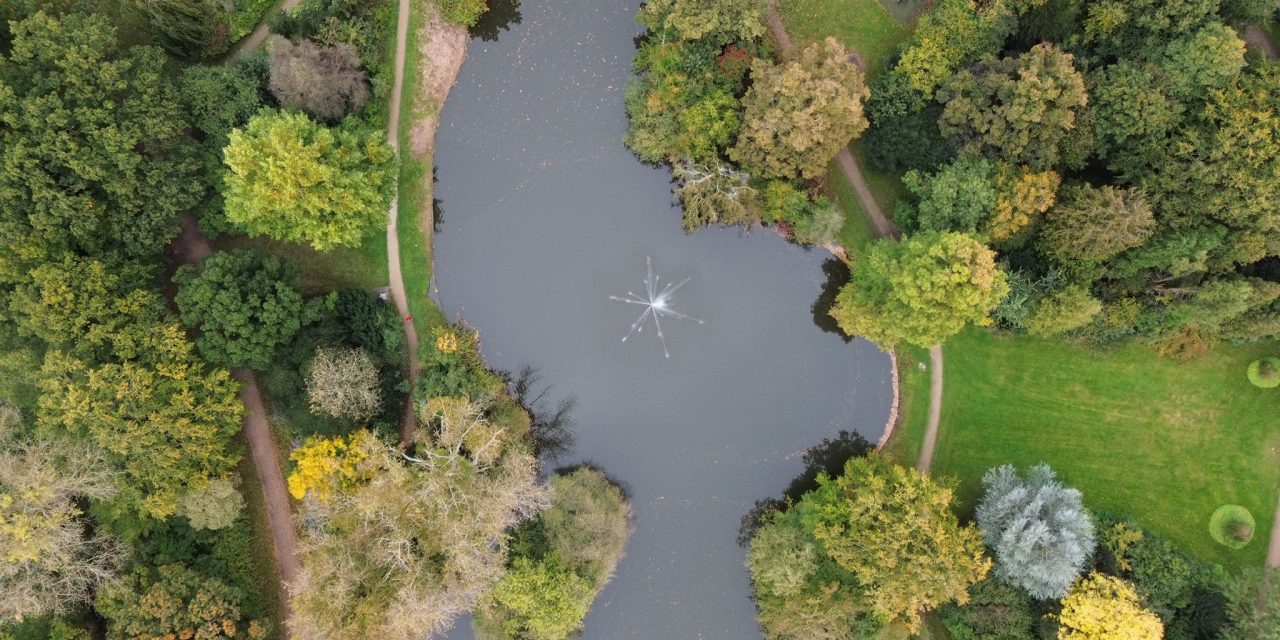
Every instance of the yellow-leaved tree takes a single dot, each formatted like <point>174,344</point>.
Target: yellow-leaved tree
<point>1102,607</point>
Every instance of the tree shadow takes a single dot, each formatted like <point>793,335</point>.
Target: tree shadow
<point>500,16</point>
<point>551,431</point>
<point>826,458</point>
<point>837,277</point>
<point>437,205</point>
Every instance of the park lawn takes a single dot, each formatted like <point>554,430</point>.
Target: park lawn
<point>862,25</point>
<point>363,267</point>
<point>1161,441</point>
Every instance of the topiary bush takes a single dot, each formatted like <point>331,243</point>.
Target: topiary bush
<point>1265,372</point>
<point>1232,526</point>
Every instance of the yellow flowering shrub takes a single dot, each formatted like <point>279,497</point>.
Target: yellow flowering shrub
<point>325,465</point>
<point>1102,607</point>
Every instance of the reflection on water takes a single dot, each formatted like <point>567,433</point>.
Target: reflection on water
<point>837,276</point>
<point>500,16</point>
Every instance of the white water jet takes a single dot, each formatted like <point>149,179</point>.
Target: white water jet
<point>656,303</point>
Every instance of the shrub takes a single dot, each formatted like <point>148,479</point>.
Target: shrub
<point>175,601</point>
<point>344,383</point>
<point>1101,607</point>
<point>464,12</point>
<point>325,82</point>
<point>452,367</point>
<point>995,611</point>
<point>1265,372</point>
<point>1232,526</point>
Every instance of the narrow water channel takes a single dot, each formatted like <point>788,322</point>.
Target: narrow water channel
<point>544,215</point>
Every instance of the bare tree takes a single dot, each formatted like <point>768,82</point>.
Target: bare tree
<point>344,383</point>
<point>325,82</point>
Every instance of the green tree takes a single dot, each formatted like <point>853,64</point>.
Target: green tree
<point>1253,606</point>
<point>1092,223</point>
<point>799,114</point>
<point>1206,60</point>
<point>93,148</point>
<point>94,309</point>
<point>588,523</point>
<point>720,21</point>
<point>244,303</point>
<point>954,33</point>
<point>1069,308</point>
<point>295,180</point>
<point>165,428</point>
<point>173,601</point>
<point>546,600</point>
<point>960,196</point>
<point>190,28</point>
<point>921,290</point>
<point>1017,109</point>
<point>894,530</point>
<point>218,99</point>
<point>1132,109</point>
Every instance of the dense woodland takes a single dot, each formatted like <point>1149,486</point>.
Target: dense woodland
<point>123,483</point>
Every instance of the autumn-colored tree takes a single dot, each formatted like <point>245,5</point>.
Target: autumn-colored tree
<point>401,554</point>
<point>920,291</point>
<point>217,506</point>
<point>1069,308</point>
<point>894,530</point>
<point>1092,223</point>
<point>323,466</point>
<point>1101,607</point>
<point>166,428</point>
<point>952,34</point>
<point>295,180</point>
<point>1016,109</point>
<point>173,601</point>
<point>49,561</point>
<point>798,114</point>
<point>325,82</point>
<point>1023,196</point>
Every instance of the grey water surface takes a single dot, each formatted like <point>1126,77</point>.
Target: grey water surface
<point>544,215</point>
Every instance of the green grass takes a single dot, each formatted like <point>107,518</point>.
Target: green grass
<point>862,25</point>
<point>904,444</point>
<point>416,216</point>
<point>363,267</point>
<point>1161,441</point>
<point>886,188</point>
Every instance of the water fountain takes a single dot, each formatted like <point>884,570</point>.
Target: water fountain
<point>657,303</point>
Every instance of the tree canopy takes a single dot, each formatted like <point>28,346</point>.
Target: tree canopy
<point>296,180</point>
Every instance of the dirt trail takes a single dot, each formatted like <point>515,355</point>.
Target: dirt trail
<point>885,229</point>
<point>191,247</point>
<point>1255,36</point>
<point>259,35</point>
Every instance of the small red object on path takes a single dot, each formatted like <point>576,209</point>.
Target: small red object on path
<point>409,318</point>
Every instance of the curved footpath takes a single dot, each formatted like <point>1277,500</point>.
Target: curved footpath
<point>885,229</point>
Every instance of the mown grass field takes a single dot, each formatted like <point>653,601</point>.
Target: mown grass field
<point>1162,441</point>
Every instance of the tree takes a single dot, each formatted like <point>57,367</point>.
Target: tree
<point>716,194</point>
<point>218,99</point>
<point>295,180</point>
<point>921,290</point>
<point>244,303</point>
<point>720,21</point>
<point>587,523</point>
<point>544,600</point>
<point>217,506</point>
<point>960,196</point>
<point>951,35</point>
<point>1100,607</point>
<point>1253,606</point>
<point>1040,532</point>
<point>1132,109</point>
<point>1024,196</point>
<point>173,601</point>
<point>325,82</point>
<point>94,309</point>
<point>189,28</point>
<point>1068,308</point>
<point>94,150</point>
<point>50,562</point>
<point>1092,223</point>
<point>995,611</point>
<point>797,115</point>
<point>344,384</point>
<point>463,12</point>
<point>1017,109</point>
<point>1208,59</point>
<point>165,428</point>
<point>403,552</point>
<point>893,530</point>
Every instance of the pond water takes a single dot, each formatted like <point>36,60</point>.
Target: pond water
<point>543,214</point>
